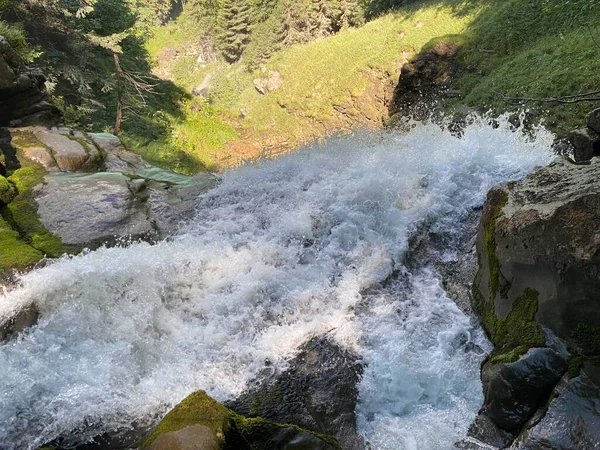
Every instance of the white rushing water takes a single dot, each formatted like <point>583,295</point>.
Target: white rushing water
<point>279,252</point>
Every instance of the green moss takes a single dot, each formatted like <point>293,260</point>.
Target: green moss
<point>517,333</point>
<point>7,191</point>
<point>587,338</point>
<point>575,365</point>
<point>512,355</point>
<point>235,432</point>
<point>14,252</point>
<point>196,409</point>
<point>255,432</point>
<point>496,201</point>
<point>23,239</point>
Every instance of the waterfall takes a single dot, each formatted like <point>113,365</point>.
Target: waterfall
<point>280,251</point>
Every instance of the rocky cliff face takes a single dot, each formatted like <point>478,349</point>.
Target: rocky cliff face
<point>23,94</point>
<point>538,249</point>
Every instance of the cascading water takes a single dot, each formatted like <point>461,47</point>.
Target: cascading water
<point>279,252</point>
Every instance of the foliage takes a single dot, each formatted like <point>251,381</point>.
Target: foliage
<point>234,23</point>
<point>15,36</point>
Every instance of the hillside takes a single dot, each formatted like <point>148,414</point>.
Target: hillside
<point>334,66</point>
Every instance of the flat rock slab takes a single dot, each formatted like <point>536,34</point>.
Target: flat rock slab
<point>41,156</point>
<point>69,154</point>
<point>83,209</point>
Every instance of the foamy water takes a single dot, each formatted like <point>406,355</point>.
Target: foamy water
<point>279,252</point>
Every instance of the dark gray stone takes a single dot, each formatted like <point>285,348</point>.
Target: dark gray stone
<point>593,120</point>
<point>572,419</point>
<point>584,143</point>
<point>513,392</point>
<point>318,392</point>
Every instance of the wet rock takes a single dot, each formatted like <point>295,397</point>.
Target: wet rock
<point>593,120</point>
<point>17,320</point>
<point>193,437</point>
<point>270,83</point>
<point>586,143</point>
<point>572,419</point>
<point>540,234</point>
<point>514,391</point>
<point>318,392</point>
<point>83,209</point>
<point>484,433</point>
<point>201,423</point>
<point>424,82</point>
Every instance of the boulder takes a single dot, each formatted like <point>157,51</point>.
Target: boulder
<point>593,120</point>
<point>514,391</point>
<point>270,83</point>
<point>23,94</point>
<point>83,209</point>
<point>42,156</point>
<point>318,392</point>
<point>572,418</point>
<point>70,154</point>
<point>117,157</point>
<point>201,423</point>
<point>538,248</point>
<point>586,143</point>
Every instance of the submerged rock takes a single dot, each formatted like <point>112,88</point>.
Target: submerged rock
<point>17,320</point>
<point>318,392</point>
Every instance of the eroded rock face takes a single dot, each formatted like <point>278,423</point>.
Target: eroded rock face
<point>318,392</point>
<point>541,233</point>
<point>424,80</point>
<point>23,93</point>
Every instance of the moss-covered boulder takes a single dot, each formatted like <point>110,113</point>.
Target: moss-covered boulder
<point>539,258</point>
<point>201,423</point>
<point>7,191</point>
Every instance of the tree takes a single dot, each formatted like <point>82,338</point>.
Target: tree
<point>235,26</point>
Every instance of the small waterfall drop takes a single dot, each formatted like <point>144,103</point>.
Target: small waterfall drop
<point>279,252</point>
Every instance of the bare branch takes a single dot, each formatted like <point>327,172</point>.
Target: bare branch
<point>567,99</point>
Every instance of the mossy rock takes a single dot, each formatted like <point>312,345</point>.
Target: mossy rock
<point>197,409</point>
<point>199,418</point>
<point>7,191</point>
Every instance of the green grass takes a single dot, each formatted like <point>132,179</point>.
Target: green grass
<point>318,76</point>
<point>524,48</point>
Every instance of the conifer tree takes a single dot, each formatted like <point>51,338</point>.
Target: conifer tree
<point>235,25</point>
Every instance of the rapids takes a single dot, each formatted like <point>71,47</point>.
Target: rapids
<point>280,251</point>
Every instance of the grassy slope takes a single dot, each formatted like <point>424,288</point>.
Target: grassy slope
<point>317,76</point>
<point>519,48</point>
<point>539,49</point>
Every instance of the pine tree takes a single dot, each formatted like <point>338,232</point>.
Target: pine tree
<point>235,25</point>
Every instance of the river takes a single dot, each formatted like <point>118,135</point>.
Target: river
<point>279,252</point>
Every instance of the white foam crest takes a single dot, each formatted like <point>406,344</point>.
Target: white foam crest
<point>279,252</point>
